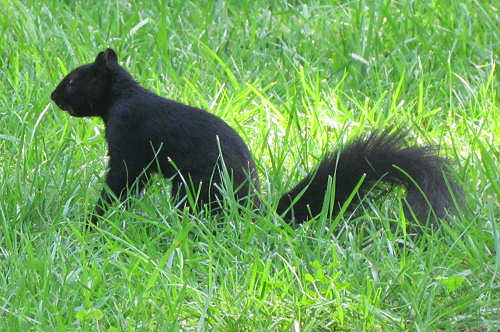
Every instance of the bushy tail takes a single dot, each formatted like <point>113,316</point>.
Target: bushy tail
<point>381,156</point>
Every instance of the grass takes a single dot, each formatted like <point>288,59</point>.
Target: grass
<point>294,79</point>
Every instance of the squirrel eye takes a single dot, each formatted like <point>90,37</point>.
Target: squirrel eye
<point>70,83</point>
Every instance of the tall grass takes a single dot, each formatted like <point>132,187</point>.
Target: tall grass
<point>295,79</point>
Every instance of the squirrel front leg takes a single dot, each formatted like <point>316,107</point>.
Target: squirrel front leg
<point>121,180</point>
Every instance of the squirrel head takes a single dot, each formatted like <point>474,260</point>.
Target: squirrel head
<point>86,91</point>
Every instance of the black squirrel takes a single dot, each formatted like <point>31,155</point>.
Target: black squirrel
<point>147,133</point>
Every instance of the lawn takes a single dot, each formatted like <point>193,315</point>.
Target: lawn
<point>295,79</point>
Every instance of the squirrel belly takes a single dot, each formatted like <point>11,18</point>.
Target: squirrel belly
<point>149,134</point>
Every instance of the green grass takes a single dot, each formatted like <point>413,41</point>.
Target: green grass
<point>294,79</point>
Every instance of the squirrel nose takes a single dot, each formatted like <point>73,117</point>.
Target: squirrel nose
<point>53,95</point>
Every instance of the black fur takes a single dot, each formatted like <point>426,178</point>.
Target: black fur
<point>380,157</point>
<point>147,133</point>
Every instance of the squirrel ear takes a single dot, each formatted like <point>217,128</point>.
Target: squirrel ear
<point>107,57</point>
